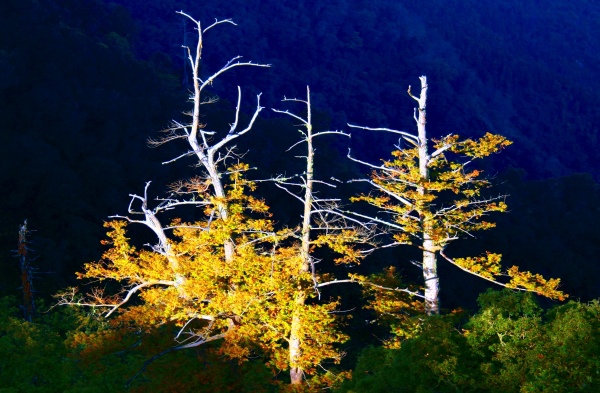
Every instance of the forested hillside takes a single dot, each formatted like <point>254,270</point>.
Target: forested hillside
<point>85,85</point>
<point>517,68</point>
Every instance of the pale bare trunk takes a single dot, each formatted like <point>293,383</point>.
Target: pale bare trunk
<point>432,287</point>
<point>26,273</point>
<point>295,339</point>
<point>201,149</point>
<point>430,276</point>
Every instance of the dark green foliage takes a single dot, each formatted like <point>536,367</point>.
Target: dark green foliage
<point>437,361</point>
<point>530,351</point>
<point>510,345</point>
<point>67,350</point>
<point>33,356</point>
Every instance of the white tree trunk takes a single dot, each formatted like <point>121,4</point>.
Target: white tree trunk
<point>430,276</point>
<point>295,339</point>
<point>429,263</point>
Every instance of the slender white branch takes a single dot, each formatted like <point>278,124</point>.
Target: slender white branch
<point>403,133</point>
<point>405,290</point>
<point>316,134</point>
<point>289,192</point>
<point>129,293</point>
<point>217,22</point>
<point>378,220</point>
<point>232,133</point>
<point>286,112</point>
<point>186,154</point>
<point>228,66</point>
<point>380,167</point>
<point>237,111</point>
<point>440,151</point>
<point>411,95</point>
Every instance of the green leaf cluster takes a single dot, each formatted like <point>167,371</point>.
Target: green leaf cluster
<point>510,345</point>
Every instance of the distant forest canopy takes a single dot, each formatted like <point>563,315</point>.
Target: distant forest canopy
<point>84,84</point>
<point>525,70</point>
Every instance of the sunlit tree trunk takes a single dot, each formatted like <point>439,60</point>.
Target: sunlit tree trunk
<point>430,276</point>
<point>322,223</point>
<point>296,372</point>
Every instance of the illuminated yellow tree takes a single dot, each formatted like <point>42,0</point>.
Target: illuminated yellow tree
<point>430,199</point>
<point>229,275</point>
<point>206,276</point>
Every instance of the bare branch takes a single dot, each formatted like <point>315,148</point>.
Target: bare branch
<point>228,66</point>
<point>405,290</point>
<point>186,154</point>
<point>411,95</point>
<point>129,293</point>
<point>440,150</point>
<point>286,112</point>
<point>316,134</point>
<point>289,192</point>
<point>217,22</point>
<point>232,133</point>
<point>377,220</point>
<point>383,168</point>
<point>403,133</point>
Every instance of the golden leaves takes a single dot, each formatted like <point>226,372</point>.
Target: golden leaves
<point>420,204</point>
<point>485,146</point>
<point>444,203</point>
<point>342,243</point>
<point>395,309</point>
<point>247,298</point>
<point>487,266</point>
<point>535,283</point>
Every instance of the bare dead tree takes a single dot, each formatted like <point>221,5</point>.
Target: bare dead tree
<point>209,154</point>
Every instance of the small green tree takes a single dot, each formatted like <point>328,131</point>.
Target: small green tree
<point>431,198</point>
<point>509,345</point>
<point>524,349</point>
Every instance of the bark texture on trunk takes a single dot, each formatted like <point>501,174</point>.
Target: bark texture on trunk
<point>430,276</point>
<point>295,342</point>
<point>429,263</point>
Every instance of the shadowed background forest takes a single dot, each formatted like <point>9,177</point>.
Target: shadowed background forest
<point>83,85</point>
